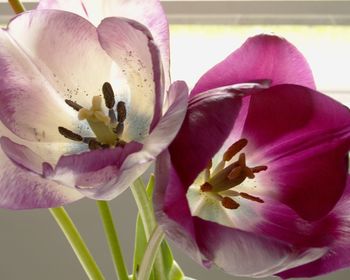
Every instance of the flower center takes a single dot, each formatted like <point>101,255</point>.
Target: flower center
<point>220,181</point>
<point>107,129</point>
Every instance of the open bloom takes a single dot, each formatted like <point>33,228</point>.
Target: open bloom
<point>81,107</point>
<point>254,180</point>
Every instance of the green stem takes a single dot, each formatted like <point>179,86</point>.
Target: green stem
<point>150,253</point>
<point>113,240</point>
<point>144,206</point>
<point>82,252</point>
<point>149,222</point>
<point>17,6</point>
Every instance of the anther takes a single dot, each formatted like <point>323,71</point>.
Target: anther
<point>234,149</point>
<point>69,134</point>
<point>250,197</point>
<point>249,173</point>
<point>73,104</point>
<point>206,187</point>
<point>119,129</point>
<point>229,203</point>
<point>241,160</point>
<point>121,110</point>
<point>257,169</point>
<point>108,95</point>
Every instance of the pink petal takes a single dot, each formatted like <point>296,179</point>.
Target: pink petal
<point>338,255</point>
<point>149,13</point>
<point>22,189</point>
<point>131,46</point>
<point>304,138</point>
<point>47,56</point>
<point>93,169</point>
<point>198,141</point>
<point>260,57</point>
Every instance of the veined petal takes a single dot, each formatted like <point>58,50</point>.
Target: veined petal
<point>149,13</point>
<point>303,138</point>
<point>42,64</point>
<point>247,254</point>
<point>338,255</point>
<point>22,189</point>
<point>132,47</point>
<point>93,169</point>
<point>200,140</point>
<point>260,57</point>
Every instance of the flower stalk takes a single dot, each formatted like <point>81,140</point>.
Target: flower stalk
<point>113,240</point>
<point>78,245</point>
<point>149,222</point>
<point>17,6</point>
<point>150,253</point>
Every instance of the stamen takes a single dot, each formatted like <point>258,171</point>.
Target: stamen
<point>250,197</point>
<point>206,187</point>
<point>229,203</point>
<point>73,104</point>
<point>207,171</point>
<point>108,95</point>
<point>241,160</point>
<point>121,110</point>
<point>119,129</point>
<point>69,134</point>
<point>257,169</point>
<point>249,173</point>
<point>234,149</point>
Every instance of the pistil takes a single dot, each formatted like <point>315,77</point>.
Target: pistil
<point>219,183</point>
<point>108,129</point>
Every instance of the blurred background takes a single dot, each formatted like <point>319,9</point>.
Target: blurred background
<point>202,34</point>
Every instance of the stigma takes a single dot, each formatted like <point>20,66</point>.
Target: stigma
<point>228,174</point>
<point>108,129</point>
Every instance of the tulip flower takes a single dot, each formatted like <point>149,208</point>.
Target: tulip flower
<point>82,109</point>
<point>254,181</point>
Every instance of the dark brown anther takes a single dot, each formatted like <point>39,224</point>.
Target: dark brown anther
<point>257,169</point>
<point>121,110</point>
<point>119,129</point>
<point>250,197</point>
<point>73,105</point>
<point>108,95</point>
<point>234,149</point>
<point>94,144</point>
<point>229,203</point>
<point>206,187</point>
<point>69,134</point>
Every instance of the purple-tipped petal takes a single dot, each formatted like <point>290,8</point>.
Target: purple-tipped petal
<point>22,189</point>
<point>338,255</point>
<point>200,140</point>
<point>171,208</point>
<point>132,47</point>
<point>41,68</point>
<point>247,254</point>
<point>303,138</point>
<point>21,155</point>
<point>93,169</point>
<point>149,13</point>
<point>261,57</point>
